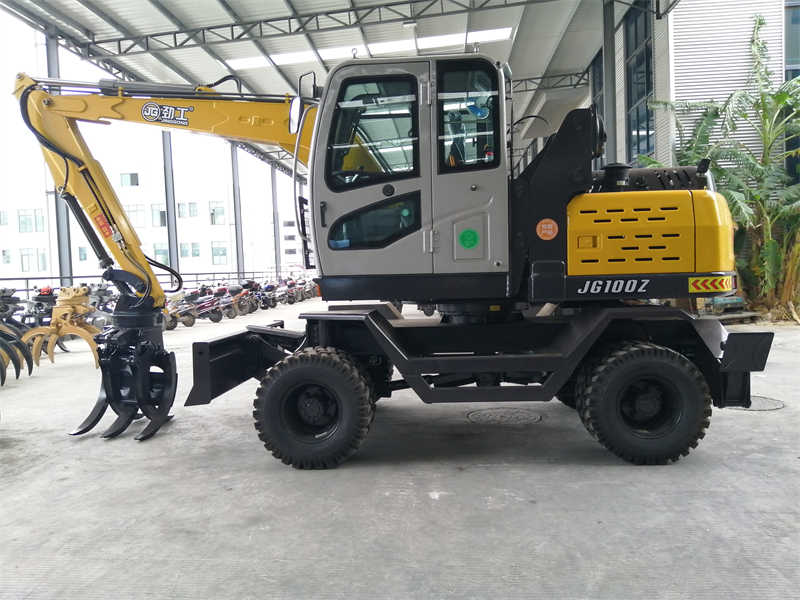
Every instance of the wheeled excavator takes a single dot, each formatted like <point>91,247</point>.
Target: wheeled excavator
<point>550,283</point>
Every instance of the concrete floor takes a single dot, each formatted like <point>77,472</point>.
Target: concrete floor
<point>434,506</point>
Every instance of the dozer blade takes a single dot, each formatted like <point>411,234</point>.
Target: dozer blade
<point>9,354</point>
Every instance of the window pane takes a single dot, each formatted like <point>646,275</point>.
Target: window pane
<point>39,216</point>
<point>374,133</point>
<point>42,259</point>
<point>377,225</point>
<point>793,36</point>
<point>25,221</point>
<point>467,103</point>
<point>6,257</point>
<point>192,209</point>
<point>3,217</point>
<point>181,210</point>
<point>219,253</point>
<point>81,253</point>
<point>184,249</point>
<point>195,249</point>
<point>159,215</point>
<point>217,213</point>
<point>161,253</point>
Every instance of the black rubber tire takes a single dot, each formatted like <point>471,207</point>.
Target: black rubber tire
<point>230,312</point>
<point>170,322</point>
<point>215,316</point>
<point>341,378</point>
<point>188,320</point>
<point>601,388</point>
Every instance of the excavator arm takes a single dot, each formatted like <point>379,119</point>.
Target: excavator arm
<point>138,374</point>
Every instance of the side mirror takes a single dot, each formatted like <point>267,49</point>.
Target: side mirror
<point>295,111</point>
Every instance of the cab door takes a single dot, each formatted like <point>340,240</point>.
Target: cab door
<point>470,185</point>
<point>372,199</point>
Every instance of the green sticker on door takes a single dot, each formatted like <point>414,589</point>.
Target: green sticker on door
<point>468,238</point>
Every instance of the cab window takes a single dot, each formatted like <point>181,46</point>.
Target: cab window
<point>374,137</point>
<point>468,115</point>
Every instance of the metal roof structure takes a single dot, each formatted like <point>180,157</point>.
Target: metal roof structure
<point>269,43</point>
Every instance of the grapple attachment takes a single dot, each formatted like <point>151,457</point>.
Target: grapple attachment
<point>13,353</point>
<point>68,318</point>
<point>139,375</point>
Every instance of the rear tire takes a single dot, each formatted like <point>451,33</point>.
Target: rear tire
<point>313,409</point>
<point>215,316</point>
<point>230,312</point>
<point>170,322</point>
<point>188,320</point>
<point>645,403</point>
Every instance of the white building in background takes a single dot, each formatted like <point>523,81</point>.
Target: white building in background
<point>132,156</point>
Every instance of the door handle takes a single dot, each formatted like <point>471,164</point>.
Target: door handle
<point>322,207</point>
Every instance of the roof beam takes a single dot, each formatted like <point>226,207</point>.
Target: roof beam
<point>69,41</point>
<point>101,14</point>
<point>299,24</point>
<point>260,46</point>
<point>293,12</point>
<point>159,6</point>
<point>361,30</point>
<point>550,82</point>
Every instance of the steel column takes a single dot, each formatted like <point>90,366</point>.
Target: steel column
<point>237,212</point>
<point>276,222</point>
<point>609,81</point>
<point>63,240</point>
<point>169,194</point>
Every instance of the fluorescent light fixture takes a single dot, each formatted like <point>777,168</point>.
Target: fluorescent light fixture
<point>293,58</point>
<point>390,47</point>
<point>441,41</point>
<point>249,62</point>
<point>393,46</point>
<point>489,35</point>
<point>342,52</point>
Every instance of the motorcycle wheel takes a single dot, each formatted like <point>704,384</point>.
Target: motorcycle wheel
<point>215,316</point>
<point>188,320</point>
<point>230,312</point>
<point>170,322</point>
<point>273,303</point>
<point>290,299</point>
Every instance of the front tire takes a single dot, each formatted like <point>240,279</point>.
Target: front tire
<point>215,316</point>
<point>645,403</point>
<point>188,320</point>
<point>313,409</point>
<point>170,322</point>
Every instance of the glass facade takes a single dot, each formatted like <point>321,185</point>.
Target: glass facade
<point>639,121</point>
<point>793,70</point>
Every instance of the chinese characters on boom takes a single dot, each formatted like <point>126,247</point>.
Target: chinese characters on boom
<point>163,113</point>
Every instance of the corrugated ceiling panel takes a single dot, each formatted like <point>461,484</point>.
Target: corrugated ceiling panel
<point>195,14</point>
<point>253,10</point>
<point>336,39</point>
<point>100,28</point>
<point>314,6</point>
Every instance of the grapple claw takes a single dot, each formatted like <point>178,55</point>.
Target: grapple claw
<point>122,422</point>
<point>9,355</point>
<point>24,353</point>
<point>2,373</point>
<point>139,377</point>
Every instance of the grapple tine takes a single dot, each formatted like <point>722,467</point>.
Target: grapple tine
<point>51,347</point>
<point>94,417</point>
<point>85,336</point>
<point>61,345</point>
<point>2,373</point>
<point>9,355</point>
<point>122,422</point>
<point>25,352</point>
<point>152,428</point>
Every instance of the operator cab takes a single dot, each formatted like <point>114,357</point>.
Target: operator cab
<point>409,177</point>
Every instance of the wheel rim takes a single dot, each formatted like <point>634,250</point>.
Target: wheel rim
<point>650,407</point>
<point>311,412</point>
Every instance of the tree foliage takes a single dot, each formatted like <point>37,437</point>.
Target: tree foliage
<point>753,178</point>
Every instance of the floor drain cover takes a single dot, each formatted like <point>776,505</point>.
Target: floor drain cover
<point>762,403</point>
<point>504,416</point>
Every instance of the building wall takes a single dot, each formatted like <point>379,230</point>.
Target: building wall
<point>710,50</point>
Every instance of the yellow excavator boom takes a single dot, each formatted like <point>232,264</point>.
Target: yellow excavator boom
<point>55,117</point>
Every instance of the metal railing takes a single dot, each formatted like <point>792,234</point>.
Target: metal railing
<point>29,285</point>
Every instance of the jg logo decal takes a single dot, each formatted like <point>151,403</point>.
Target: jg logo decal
<point>614,286</point>
<point>163,113</point>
